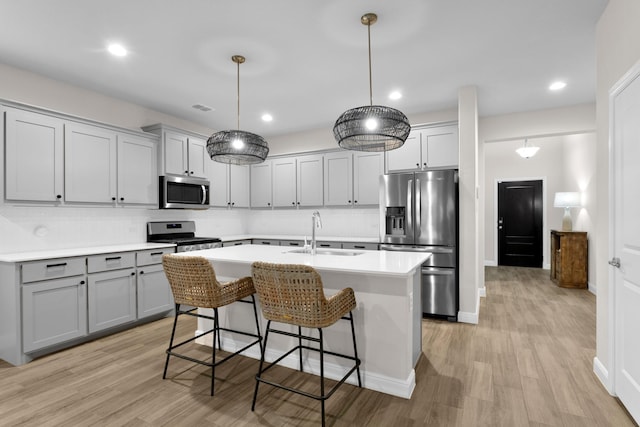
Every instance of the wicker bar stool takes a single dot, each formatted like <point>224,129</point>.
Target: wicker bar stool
<point>293,294</point>
<point>193,282</point>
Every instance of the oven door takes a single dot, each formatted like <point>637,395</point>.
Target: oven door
<point>183,193</point>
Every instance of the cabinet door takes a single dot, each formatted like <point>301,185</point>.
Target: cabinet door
<point>284,182</point>
<point>53,311</point>
<point>198,157</point>
<point>137,171</point>
<point>218,174</point>
<point>338,178</point>
<point>89,164</point>
<point>440,147</point>
<point>112,299</point>
<point>239,186</point>
<point>367,168</point>
<point>175,153</point>
<point>406,157</point>
<point>309,183</point>
<point>261,185</point>
<point>154,291</point>
<point>34,156</point>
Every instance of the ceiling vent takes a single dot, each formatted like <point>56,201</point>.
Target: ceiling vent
<point>202,107</point>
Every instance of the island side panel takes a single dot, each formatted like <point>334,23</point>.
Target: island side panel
<point>386,320</point>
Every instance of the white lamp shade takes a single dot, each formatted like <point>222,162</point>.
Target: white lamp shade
<point>567,200</point>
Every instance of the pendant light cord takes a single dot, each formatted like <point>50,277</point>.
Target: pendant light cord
<point>238,78</point>
<point>370,79</point>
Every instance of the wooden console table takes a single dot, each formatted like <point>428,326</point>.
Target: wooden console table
<point>569,258</point>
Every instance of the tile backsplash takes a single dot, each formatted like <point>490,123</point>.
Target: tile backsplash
<point>34,228</point>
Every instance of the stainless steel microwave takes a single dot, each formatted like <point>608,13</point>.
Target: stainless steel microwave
<point>183,192</point>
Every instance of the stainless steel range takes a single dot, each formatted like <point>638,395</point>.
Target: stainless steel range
<point>182,233</point>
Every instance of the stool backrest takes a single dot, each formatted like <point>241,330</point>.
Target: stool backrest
<point>193,281</point>
<point>290,293</point>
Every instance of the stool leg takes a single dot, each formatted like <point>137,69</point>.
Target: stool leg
<point>300,344</point>
<point>355,348</point>
<point>216,332</point>
<point>255,314</point>
<point>321,375</point>
<point>217,326</point>
<point>173,333</point>
<point>255,393</point>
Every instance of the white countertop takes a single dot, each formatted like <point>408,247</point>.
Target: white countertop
<point>71,252</point>
<point>371,262</point>
<point>300,237</point>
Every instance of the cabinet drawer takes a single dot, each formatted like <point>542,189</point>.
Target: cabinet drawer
<point>359,245</point>
<point>324,244</point>
<point>236,243</point>
<point>114,261</point>
<point>52,269</point>
<point>152,256</point>
<point>266,242</point>
<point>291,243</point>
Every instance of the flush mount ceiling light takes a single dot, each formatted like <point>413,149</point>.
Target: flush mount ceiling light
<point>371,127</point>
<point>117,49</point>
<point>527,151</point>
<point>237,147</point>
<point>557,85</point>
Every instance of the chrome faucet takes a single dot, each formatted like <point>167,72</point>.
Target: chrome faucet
<point>316,222</point>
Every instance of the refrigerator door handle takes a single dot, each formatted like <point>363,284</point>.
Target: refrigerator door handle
<point>418,208</point>
<point>433,272</point>
<point>410,205</point>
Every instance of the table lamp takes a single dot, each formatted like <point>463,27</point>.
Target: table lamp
<point>567,200</point>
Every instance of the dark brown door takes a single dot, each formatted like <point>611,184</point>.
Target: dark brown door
<point>520,223</point>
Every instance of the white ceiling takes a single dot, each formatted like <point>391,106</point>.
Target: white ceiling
<point>307,59</point>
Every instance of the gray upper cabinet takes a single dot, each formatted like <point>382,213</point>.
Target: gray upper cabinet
<point>90,164</point>
<point>426,148</point>
<point>181,152</point>
<point>34,162</point>
<point>229,185</point>
<point>137,170</point>
<point>261,186</point>
<point>351,179</point>
<point>298,181</point>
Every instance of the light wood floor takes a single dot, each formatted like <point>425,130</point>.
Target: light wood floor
<point>527,363</point>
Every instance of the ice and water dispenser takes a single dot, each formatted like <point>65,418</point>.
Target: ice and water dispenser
<point>395,220</point>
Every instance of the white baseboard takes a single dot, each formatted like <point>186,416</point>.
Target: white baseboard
<point>592,288</point>
<point>603,375</point>
<point>490,263</point>
<point>482,292</point>
<point>373,381</point>
<point>466,317</point>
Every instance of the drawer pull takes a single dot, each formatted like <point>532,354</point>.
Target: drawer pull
<point>156,253</point>
<point>113,258</point>
<point>62,264</point>
<point>358,247</point>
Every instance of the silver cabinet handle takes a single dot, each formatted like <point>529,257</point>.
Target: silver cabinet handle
<point>615,262</point>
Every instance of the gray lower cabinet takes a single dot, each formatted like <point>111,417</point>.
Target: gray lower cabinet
<point>53,311</point>
<point>111,299</point>
<point>154,291</point>
<point>360,245</point>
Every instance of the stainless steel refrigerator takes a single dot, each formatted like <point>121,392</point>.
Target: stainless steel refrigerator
<point>419,212</point>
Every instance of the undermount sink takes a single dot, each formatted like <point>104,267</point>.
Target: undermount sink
<point>325,252</point>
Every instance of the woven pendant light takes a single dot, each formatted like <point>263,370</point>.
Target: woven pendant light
<point>371,127</point>
<point>237,147</point>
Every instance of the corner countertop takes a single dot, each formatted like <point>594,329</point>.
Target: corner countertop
<point>300,237</point>
<point>385,263</point>
<point>72,252</point>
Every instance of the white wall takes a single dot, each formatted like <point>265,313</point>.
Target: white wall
<point>617,50</point>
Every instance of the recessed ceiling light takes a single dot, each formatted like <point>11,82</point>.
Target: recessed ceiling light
<point>267,117</point>
<point>395,95</point>
<point>117,49</point>
<point>557,85</point>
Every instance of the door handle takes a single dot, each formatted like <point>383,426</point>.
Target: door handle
<point>615,261</point>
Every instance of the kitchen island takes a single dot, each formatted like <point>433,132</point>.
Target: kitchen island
<point>387,316</point>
